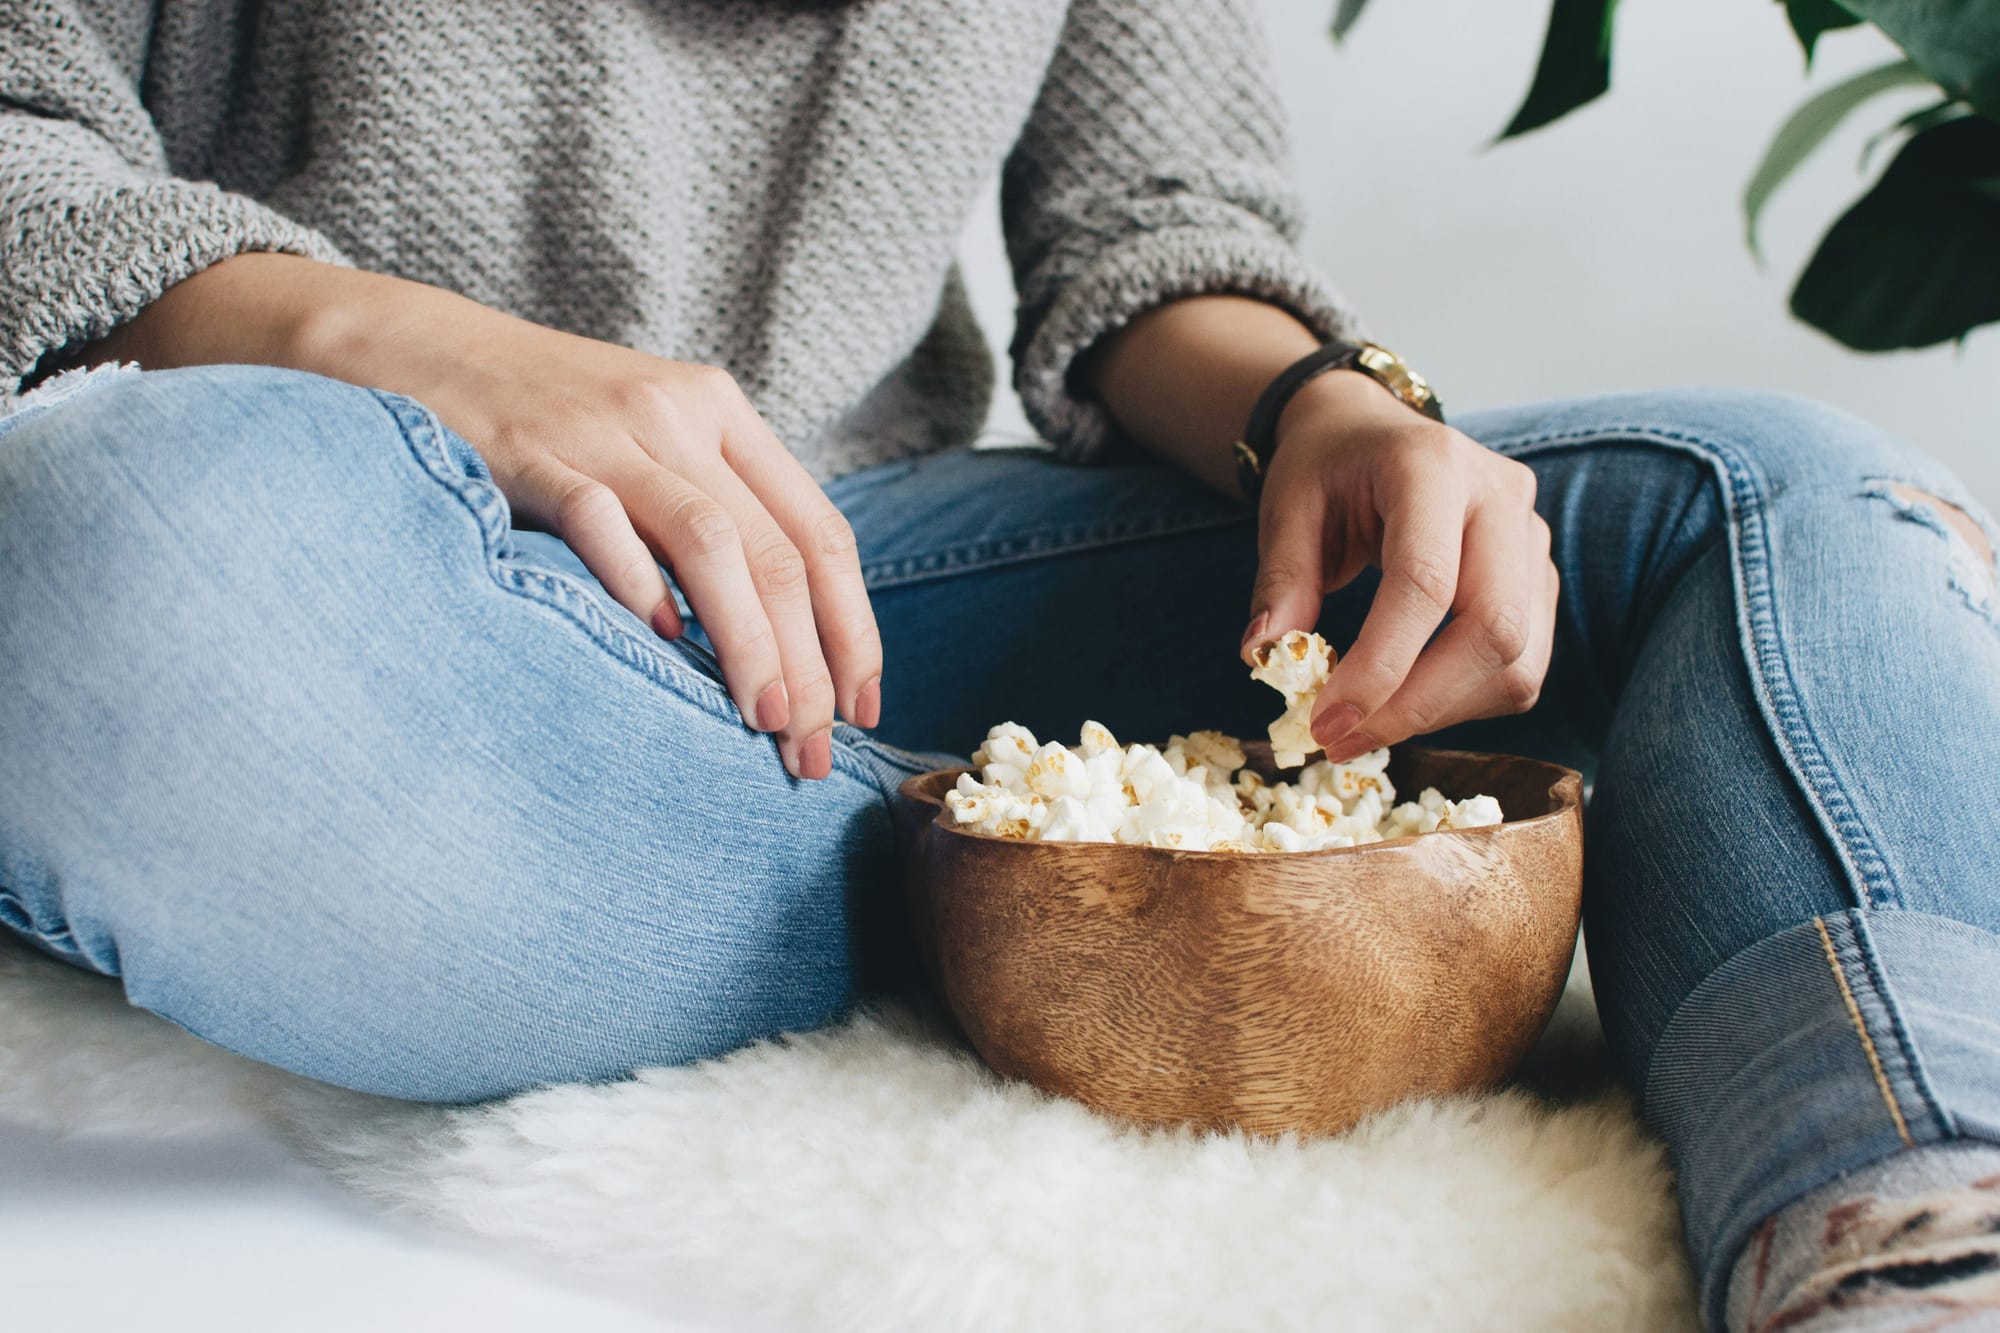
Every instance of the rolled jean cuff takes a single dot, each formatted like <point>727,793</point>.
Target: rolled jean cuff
<point>1819,1050</point>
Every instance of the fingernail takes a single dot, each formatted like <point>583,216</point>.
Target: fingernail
<point>1336,722</point>
<point>1255,633</point>
<point>868,704</point>
<point>667,619</point>
<point>773,707</point>
<point>1357,744</point>
<point>816,755</point>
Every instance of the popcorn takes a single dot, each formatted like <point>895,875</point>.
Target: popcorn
<point>1474,812</point>
<point>1213,750</point>
<point>1295,666</point>
<point>1054,793</point>
<point>1195,794</point>
<point>1056,771</point>
<point>1071,820</point>
<point>1096,739</point>
<point>1431,811</point>
<point>986,808</point>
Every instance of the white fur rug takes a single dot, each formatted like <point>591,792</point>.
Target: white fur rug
<point>875,1177</point>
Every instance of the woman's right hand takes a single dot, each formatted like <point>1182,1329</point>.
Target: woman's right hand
<point>631,459</point>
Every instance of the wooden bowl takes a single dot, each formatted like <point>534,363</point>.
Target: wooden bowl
<point>1273,991</point>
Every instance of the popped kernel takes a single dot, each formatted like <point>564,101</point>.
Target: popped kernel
<point>1196,794</point>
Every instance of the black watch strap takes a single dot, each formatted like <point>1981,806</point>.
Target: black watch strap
<point>1260,433</point>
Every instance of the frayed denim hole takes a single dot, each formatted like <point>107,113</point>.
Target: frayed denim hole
<point>1974,580</point>
<point>64,385</point>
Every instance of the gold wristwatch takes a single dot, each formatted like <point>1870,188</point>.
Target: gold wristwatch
<point>1260,433</point>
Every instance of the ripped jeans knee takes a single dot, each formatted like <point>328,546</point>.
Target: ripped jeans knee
<point>1968,540</point>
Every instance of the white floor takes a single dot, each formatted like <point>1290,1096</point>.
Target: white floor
<point>232,1232</point>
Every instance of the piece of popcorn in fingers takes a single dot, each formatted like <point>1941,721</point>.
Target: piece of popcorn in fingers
<point>1291,736</point>
<point>1296,664</point>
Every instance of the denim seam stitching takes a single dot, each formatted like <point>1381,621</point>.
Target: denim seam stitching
<point>993,553</point>
<point>563,595</point>
<point>1899,1026</point>
<point>1873,881</point>
<point>1861,1030</point>
<point>1750,561</point>
<point>558,595</point>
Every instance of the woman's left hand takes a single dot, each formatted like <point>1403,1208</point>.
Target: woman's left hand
<point>1358,479</point>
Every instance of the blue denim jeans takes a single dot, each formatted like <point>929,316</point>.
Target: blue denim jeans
<point>330,765</point>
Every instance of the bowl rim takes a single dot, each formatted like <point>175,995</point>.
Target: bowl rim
<point>1566,785</point>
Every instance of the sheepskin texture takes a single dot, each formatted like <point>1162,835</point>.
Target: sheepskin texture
<point>877,1177</point>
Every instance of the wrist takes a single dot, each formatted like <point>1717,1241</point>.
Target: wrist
<point>242,309</point>
<point>1340,400</point>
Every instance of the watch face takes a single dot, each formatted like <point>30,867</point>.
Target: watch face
<point>1389,368</point>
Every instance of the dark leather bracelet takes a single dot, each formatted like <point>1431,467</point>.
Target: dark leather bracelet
<point>1260,433</point>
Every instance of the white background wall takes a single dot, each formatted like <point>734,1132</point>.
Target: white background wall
<point>1604,252</point>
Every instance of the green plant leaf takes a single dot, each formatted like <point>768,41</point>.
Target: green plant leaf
<point>1913,261</point>
<point>1957,42</point>
<point>1344,17</point>
<point>1808,127</point>
<point>1575,65</point>
<point>1810,18</point>
<point>1937,113</point>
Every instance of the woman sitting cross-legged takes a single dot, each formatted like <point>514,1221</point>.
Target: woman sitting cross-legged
<point>466,631</point>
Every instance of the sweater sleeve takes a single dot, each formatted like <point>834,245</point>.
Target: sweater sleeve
<point>1153,166</point>
<point>93,225</point>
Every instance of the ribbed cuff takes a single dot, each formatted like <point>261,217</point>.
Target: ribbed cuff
<point>77,268</point>
<point>1816,1051</point>
<point>1127,279</point>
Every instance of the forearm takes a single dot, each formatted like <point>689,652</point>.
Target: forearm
<point>1181,378</point>
<point>266,308</point>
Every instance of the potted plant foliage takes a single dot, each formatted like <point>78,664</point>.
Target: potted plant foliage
<point>1916,259</point>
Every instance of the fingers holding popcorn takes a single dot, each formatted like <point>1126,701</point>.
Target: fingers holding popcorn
<point>1296,531</point>
<point>1493,653</point>
<point>1452,526</point>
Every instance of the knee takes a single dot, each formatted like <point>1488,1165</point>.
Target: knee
<point>1914,502</point>
<point>1800,441</point>
<point>1787,440</point>
<point>205,487</point>
<point>176,454</point>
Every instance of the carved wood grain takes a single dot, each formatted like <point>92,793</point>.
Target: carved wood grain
<point>1273,991</point>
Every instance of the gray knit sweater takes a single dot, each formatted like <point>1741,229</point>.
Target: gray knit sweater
<point>772,186</point>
